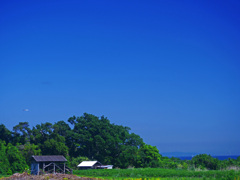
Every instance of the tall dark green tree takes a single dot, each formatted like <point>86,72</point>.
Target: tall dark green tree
<point>28,150</point>
<point>61,128</point>
<point>4,163</point>
<point>16,159</point>
<point>41,133</point>
<point>5,134</point>
<point>96,138</point>
<point>21,133</point>
<point>205,161</point>
<point>54,147</point>
<point>148,156</point>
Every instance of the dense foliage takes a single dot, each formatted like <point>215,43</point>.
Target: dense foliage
<point>89,137</point>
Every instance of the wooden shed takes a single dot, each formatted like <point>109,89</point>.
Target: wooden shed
<point>49,164</point>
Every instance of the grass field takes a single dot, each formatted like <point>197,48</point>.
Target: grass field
<point>169,178</point>
<point>152,174</point>
<point>157,173</point>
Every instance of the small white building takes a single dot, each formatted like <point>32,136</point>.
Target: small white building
<point>93,165</point>
<point>89,165</point>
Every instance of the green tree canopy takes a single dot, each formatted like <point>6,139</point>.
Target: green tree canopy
<point>206,161</point>
<point>15,158</point>
<point>148,156</point>
<point>22,133</point>
<point>28,150</point>
<point>4,163</point>
<point>86,136</point>
<point>6,135</point>
<point>54,147</point>
<point>97,138</point>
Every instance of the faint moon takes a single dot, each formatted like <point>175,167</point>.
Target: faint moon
<point>26,110</point>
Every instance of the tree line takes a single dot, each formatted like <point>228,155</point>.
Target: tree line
<point>88,137</point>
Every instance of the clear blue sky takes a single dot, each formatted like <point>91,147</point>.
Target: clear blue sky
<point>170,70</point>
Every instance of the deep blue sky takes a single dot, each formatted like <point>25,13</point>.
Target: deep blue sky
<point>170,70</point>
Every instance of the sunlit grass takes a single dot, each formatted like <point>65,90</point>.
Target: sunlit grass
<point>157,173</point>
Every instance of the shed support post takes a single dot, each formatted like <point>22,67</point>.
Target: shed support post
<point>44,167</point>
<point>64,169</point>
<point>38,170</point>
<point>54,168</point>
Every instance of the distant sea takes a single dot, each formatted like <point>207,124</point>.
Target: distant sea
<point>218,157</point>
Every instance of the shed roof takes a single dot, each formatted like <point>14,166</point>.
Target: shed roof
<point>54,158</point>
<point>88,163</point>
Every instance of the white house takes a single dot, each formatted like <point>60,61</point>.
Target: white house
<point>93,165</point>
<point>89,165</point>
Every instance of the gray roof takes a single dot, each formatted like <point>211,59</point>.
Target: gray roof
<point>54,158</point>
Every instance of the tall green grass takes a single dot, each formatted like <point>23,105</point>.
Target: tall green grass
<point>158,173</point>
<point>183,178</point>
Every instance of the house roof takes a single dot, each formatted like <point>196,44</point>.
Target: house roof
<point>88,163</point>
<point>54,158</point>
